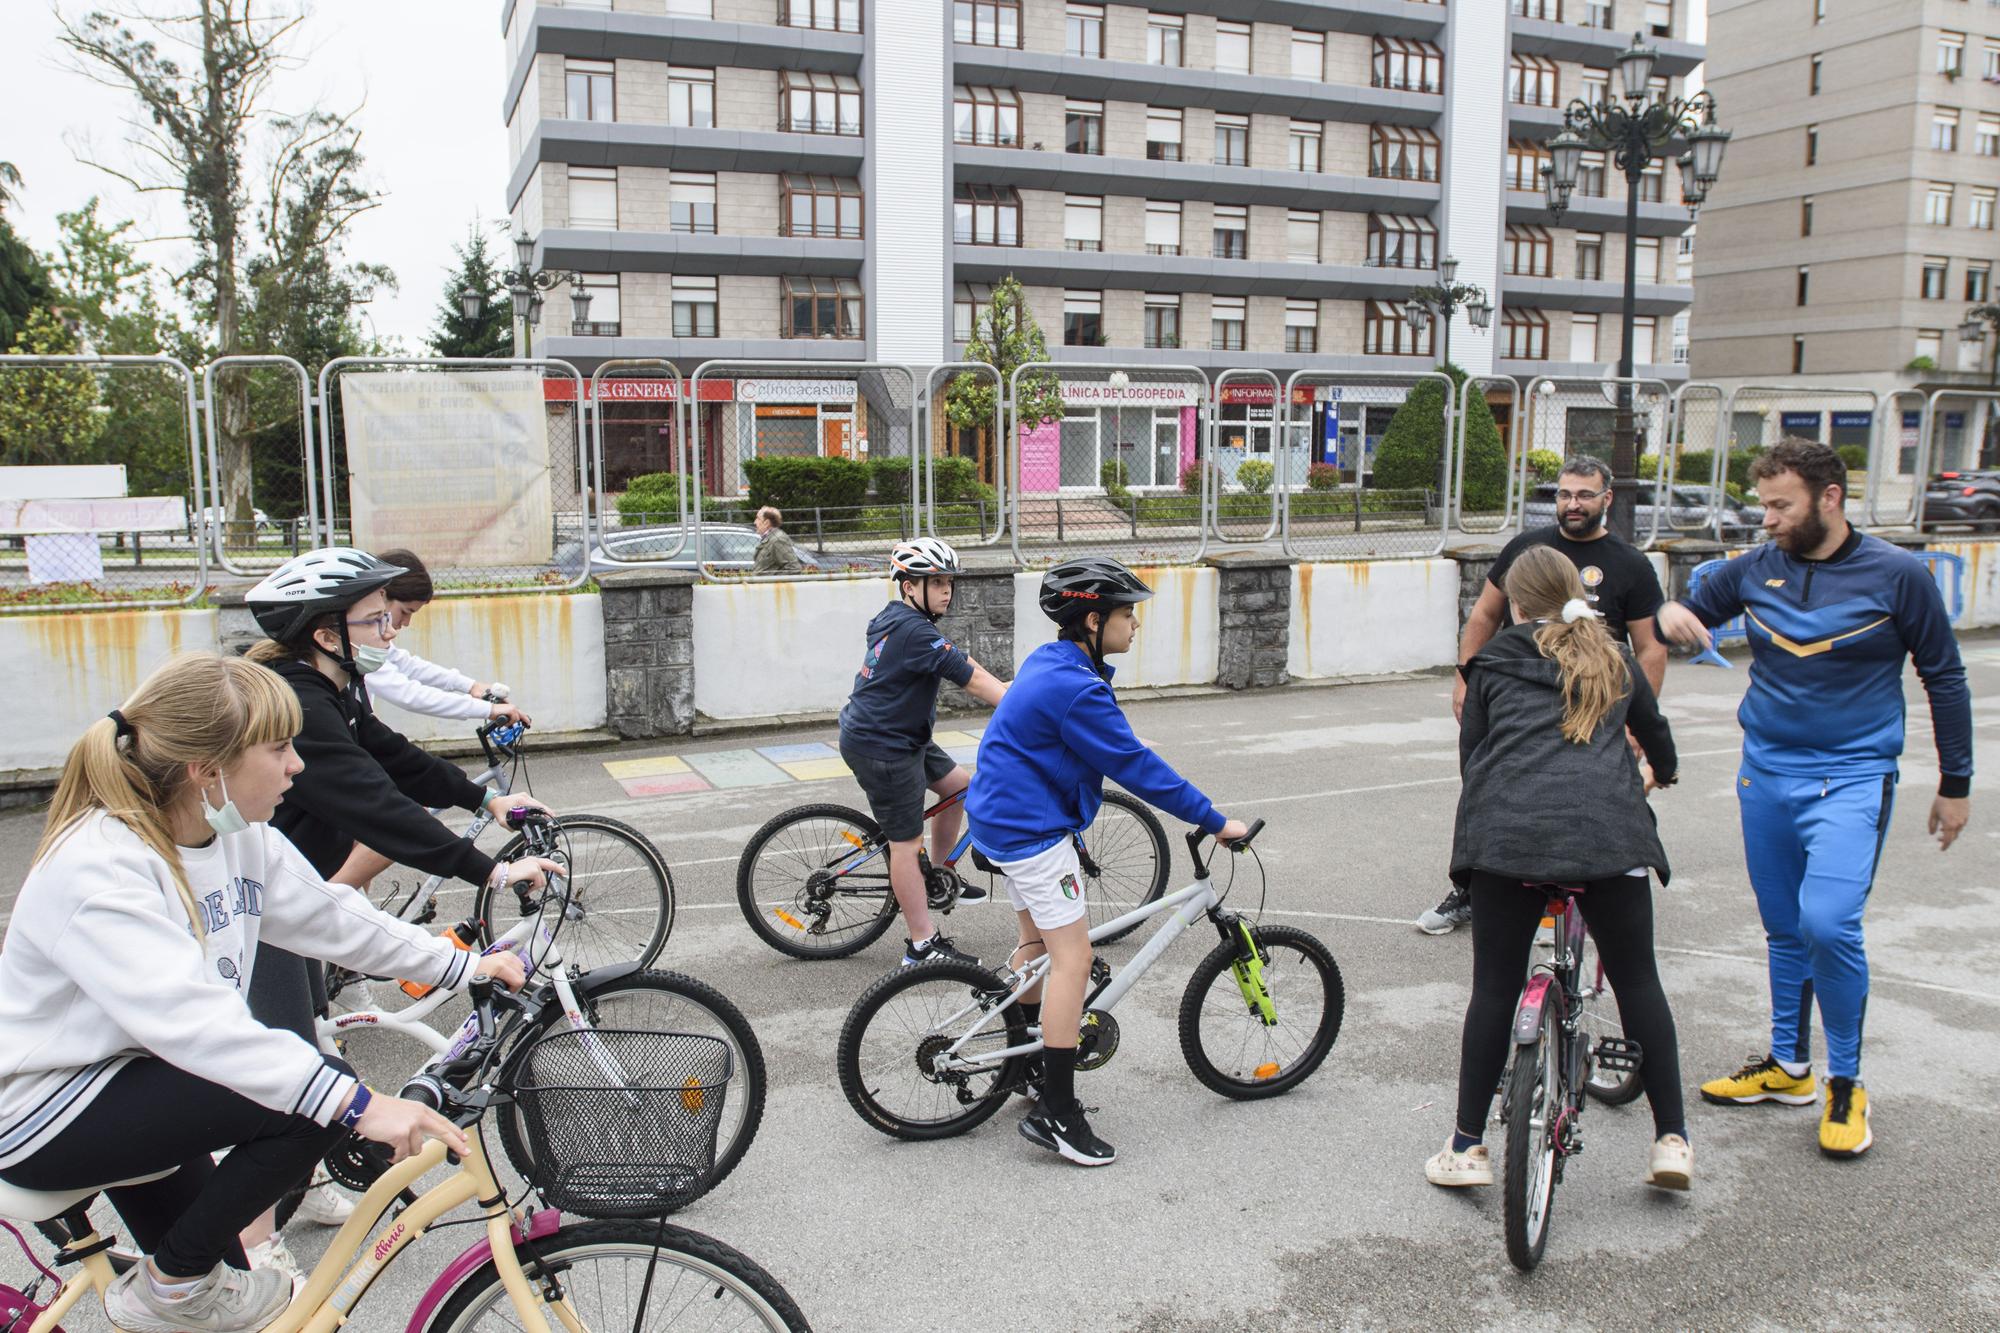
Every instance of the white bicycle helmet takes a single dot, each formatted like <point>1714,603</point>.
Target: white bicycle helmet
<point>923,556</point>
<point>307,586</point>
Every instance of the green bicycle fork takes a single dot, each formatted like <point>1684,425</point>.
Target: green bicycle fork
<point>1249,970</point>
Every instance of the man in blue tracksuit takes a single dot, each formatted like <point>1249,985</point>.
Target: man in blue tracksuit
<point>1043,759</point>
<point>1832,616</point>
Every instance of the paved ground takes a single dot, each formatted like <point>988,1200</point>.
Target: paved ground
<point>1310,1212</point>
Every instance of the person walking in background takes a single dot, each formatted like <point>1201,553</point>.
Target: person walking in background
<point>775,554</point>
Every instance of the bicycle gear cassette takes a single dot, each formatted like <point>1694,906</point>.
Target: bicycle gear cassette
<point>1097,1041</point>
<point>942,886</point>
<point>357,1163</point>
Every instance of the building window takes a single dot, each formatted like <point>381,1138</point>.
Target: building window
<point>1930,344</point>
<point>828,207</point>
<point>1590,256</point>
<point>1979,212</point>
<point>1951,54</point>
<point>1944,131</point>
<point>819,103</point>
<point>1302,238</point>
<point>1163,38</point>
<point>1163,227</point>
<point>1083,319</point>
<point>1643,330</point>
<point>1526,334</point>
<point>687,9</point>
<point>1659,88</point>
<point>1931,286</point>
<point>1660,18</point>
<point>969,305</point>
<point>1397,240</point>
<point>691,97</point>
<point>1407,64</point>
<point>1819,11</point>
<point>822,308</point>
<point>1978,281</point>
<point>1083,223</point>
<point>986,117</point>
<point>1812,77</point>
<point>986,215</point>
<point>1232,47</point>
<point>1992,72</point>
<point>1597,14</point>
<point>1083,32</point>
<point>1805,216</point>
<point>1986,143</point>
<point>603,321</point>
<point>1803,293</point>
<point>1301,326</point>
<point>1798,354</point>
<point>1532,81</point>
<point>1525,160</point>
<point>1403,152</point>
<point>1309,55</point>
<point>1547,10</point>
<point>1812,145</point>
<point>1163,134</point>
<point>826,15</point>
<point>1651,182</point>
<point>1596,87</point>
<point>593,198</point>
<point>1937,206</point>
<point>1646,260</point>
<point>1083,128</point>
<point>590,84</point>
<point>1225,323</point>
<point>1302,153</point>
<point>1232,232</point>
<point>1530,252</point>
<point>694,308</point>
<point>691,202</point>
<point>1232,140</point>
<point>987,22</point>
<point>1583,339</point>
<point>1590,176</point>
<point>1387,333</point>
<point>1681,338</point>
<point>1163,320</point>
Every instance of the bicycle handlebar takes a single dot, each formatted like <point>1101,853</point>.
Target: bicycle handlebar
<point>1196,838</point>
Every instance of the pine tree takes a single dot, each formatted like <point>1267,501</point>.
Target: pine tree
<point>1411,455</point>
<point>492,334</point>
<point>24,283</point>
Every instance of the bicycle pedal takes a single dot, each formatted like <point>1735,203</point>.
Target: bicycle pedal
<point>1620,1054</point>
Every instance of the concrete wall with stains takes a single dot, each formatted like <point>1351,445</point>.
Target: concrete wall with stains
<point>1982,581</point>
<point>1360,619</point>
<point>766,649</point>
<point>550,650</point>
<point>72,668</point>
<point>1179,642</point>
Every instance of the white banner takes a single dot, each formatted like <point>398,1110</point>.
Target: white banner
<point>1096,393</point>
<point>795,391</point>
<point>452,464</point>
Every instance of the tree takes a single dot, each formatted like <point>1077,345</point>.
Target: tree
<point>492,334</point>
<point>48,414</point>
<point>972,396</point>
<point>24,284</point>
<point>1411,455</point>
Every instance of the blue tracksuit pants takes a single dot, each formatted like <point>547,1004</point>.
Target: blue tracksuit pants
<point>1812,845</point>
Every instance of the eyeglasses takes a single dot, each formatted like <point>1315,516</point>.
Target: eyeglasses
<point>1565,497</point>
<point>383,623</point>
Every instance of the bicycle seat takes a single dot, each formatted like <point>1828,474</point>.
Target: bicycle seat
<point>45,1205</point>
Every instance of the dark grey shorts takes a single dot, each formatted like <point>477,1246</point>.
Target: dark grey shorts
<point>898,788</point>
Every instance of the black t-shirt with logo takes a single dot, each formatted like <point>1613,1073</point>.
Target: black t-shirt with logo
<point>1617,577</point>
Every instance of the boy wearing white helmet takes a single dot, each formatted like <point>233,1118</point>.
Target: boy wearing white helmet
<point>885,729</point>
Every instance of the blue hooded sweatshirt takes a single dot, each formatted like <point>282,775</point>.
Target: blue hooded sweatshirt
<point>1057,734</point>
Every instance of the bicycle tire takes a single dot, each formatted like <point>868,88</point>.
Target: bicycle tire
<point>1299,1062</point>
<point>859,1083</point>
<point>1528,1192</point>
<point>723,1015</point>
<point>1102,900</point>
<point>582,944</point>
<point>783,887</point>
<point>1600,1018</point>
<point>704,1271</point>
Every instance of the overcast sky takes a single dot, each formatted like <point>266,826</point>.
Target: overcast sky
<point>428,74</point>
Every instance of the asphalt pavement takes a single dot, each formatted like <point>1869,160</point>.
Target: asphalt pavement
<point>1310,1211</point>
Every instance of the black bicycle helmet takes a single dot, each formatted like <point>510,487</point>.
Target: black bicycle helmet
<point>307,586</point>
<point>1075,588</point>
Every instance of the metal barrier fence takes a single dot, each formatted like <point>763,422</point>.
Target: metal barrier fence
<point>968,505</point>
<point>1569,415</point>
<point>1484,516</point>
<point>59,552</point>
<point>650,522</point>
<point>1758,416</point>
<point>1254,456</point>
<point>266,495</point>
<point>1700,412</point>
<point>1943,437</point>
<point>1345,518</point>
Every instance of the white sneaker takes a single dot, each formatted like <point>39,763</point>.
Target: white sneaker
<point>1457,1170</point>
<point>274,1256</point>
<point>324,1205</point>
<point>228,1300</point>
<point>1671,1164</point>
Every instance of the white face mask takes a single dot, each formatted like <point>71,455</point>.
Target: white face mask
<point>368,657</point>
<point>225,819</point>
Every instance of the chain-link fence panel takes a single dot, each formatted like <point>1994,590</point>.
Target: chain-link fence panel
<point>1700,413</point>
<point>1758,416</point>
<point>832,445</point>
<point>642,492</point>
<point>1889,495</point>
<point>100,501</point>
<point>1489,409</point>
<point>1111,459</point>
<point>480,467</point>
<point>1960,433</point>
<point>961,420</point>
<point>1575,415</point>
<point>265,492</point>
<point>1255,461</point>
<point>1379,470</point>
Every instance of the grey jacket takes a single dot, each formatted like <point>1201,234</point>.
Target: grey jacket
<point>775,555</point>
<point>1536,807</point>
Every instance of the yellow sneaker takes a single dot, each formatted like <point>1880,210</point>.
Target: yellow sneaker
<point>1763,1079</point>
<point>1843,1127</point>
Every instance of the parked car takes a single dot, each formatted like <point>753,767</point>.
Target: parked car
<point>1970,497</point>
<point>1690,508</point>
<point>212,516</point>
<point>725,546</point>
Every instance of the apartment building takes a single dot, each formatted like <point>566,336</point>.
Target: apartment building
<point>1247,185</point>
<point>1855,226</point>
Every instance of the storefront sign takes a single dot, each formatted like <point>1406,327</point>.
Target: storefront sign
<point>1853,420</point>
<point>1100,394</point>
<point>1805,423</point>
<point>788,410</point>
<point>795,391</point>
<point>1254,394</point>
<point>563,390</point>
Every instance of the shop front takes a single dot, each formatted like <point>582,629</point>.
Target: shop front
<point>1149,429</point>
<point>640,420</point>
<point>795,418</point>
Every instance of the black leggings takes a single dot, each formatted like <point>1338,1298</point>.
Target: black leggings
<point>152,1116</point>
<point>1619,913</point>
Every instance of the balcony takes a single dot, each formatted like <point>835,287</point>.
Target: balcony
<point>593,328</point>
<point>598,143</point>
<point>1597,47</point>
<point>1401,171</point>
<point>1593,213</point>
<point>1132,271</point>
<point>1582,294</point>
<point>697,254</point>
<point>586,353</point>
<point>1085,173</point>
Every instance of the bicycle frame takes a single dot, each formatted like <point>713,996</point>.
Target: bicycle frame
<point>852,861</point>
<point>1554,990</point>
<point>498,777</point>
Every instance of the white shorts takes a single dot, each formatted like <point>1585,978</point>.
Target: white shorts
<point>1048,886</point>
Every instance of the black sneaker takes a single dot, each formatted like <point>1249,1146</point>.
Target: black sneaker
<point>936,947</point>
<point>1067,1135</point>
<point>1449,915</point>
<point>1030,1085</point>
<point>971,893</point>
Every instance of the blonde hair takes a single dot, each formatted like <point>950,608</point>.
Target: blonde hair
<point>197,708</point>
<point>1594,674</point>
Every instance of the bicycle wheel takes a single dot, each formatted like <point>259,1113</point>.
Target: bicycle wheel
<point>661,1002</point>
<point>1598,1018</point>
<point>1129,849</point>
<point>1228,1045</point>
<point>791,896</point>
<point>1534,1104</point>
<point>621,893</point>
<point>638,1275</point>
<point>905,1019</point>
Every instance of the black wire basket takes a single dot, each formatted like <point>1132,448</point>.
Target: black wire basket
<point>622,1123</point>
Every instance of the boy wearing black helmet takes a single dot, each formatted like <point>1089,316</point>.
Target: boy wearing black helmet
<point>1042,763</point>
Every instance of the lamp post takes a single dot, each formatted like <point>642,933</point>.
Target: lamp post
<point>1634,131</point>
<point>1443,299</point>
<point>525,285</point>
<point>1974,330</point>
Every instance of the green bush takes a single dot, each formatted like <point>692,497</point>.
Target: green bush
<point>1111,475</point>
<point>956,479</point>
<point>1411,455</point>
<point>1255,475</point>
<point>1855,456</point>
<point>1485,456</point>
<point>803,483</point>
<point>1322,477</point>
<point>651,497</point>
<point>889,480</point>
<point>1191,478</point>
<point>1922,363</point>
<point>1545,464</point>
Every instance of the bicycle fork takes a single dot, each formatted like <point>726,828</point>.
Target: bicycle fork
<point>1248,969</point>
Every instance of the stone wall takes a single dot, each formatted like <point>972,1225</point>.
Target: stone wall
<point>1255,606</point>
<point>649,653</point>
<point>981,621</point>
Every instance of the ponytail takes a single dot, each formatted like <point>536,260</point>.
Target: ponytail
<point>1545,585</point>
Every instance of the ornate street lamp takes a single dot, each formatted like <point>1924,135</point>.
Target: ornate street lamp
<point>525,286</point>
<point>1443,299</point>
